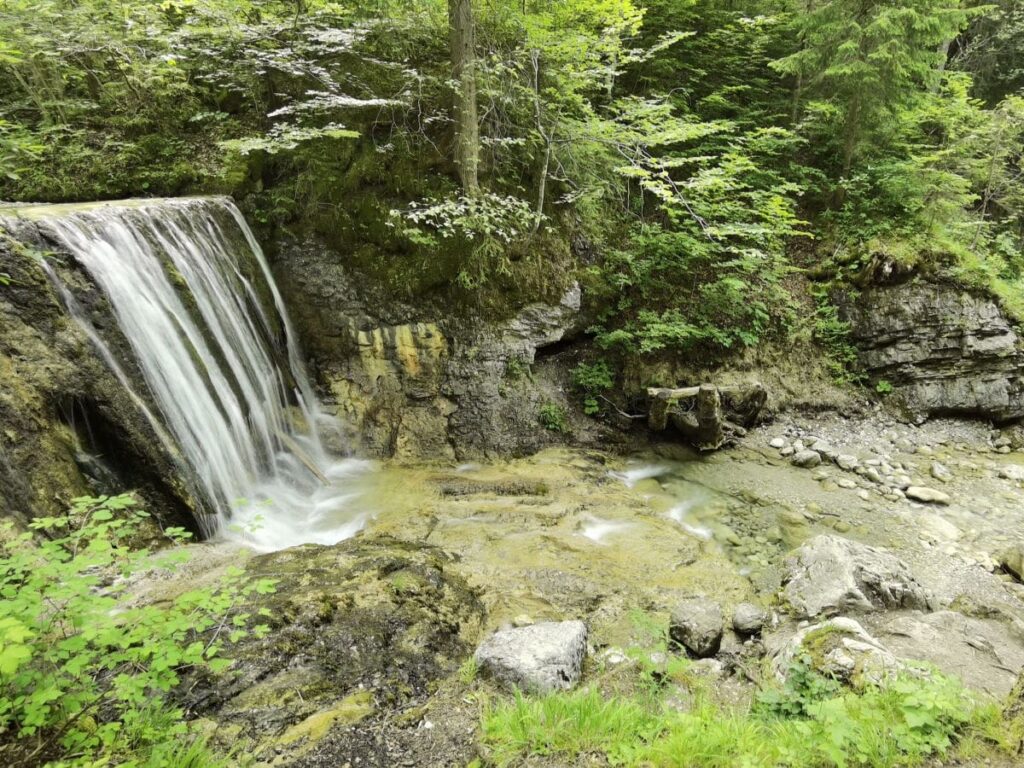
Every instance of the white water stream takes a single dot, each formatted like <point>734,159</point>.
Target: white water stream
<point>222,368</point>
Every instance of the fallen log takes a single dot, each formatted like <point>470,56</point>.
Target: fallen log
<point>706,416</point>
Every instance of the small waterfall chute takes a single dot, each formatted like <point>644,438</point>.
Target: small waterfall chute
<point>184,280</point>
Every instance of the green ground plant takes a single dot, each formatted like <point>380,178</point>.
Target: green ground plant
<point>552,417</point>
<point>811,723</point>
<point>85,674</point>
<point>592,380</point>
<point>808,721</point>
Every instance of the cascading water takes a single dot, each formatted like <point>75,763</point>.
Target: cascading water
<point>185,279</point>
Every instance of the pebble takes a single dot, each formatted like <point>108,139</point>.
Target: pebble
<point>778,442</point>
<point>847,461</point>
<point>807,459</point>
<point>927,495</point>
<point>1013,472</point>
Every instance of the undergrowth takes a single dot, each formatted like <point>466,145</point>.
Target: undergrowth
<point>810,721</point>
<point>84,673</point>
<point>900,724</point>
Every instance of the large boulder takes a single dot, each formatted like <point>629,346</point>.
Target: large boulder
<point>830,575</point>
<point>983,652</point>
<point>362,637</point>
<point>749,619</point>
<point>541,657</point>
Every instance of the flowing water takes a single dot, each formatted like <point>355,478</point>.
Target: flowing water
<point>225,390</point>
<point>193,295</point>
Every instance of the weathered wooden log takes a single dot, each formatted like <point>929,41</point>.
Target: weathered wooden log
<point>702,426</point>
<point>706,416</point>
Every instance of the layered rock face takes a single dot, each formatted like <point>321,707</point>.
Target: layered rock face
<point>948,351</point>
<point>416,380</point>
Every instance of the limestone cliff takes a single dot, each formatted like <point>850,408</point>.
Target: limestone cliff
<point>947,351</point>
<point>415,379</point>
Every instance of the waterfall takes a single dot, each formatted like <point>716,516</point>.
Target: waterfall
<point>188,285</point>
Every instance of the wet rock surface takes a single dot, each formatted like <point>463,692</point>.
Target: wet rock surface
<point>417,381</point>
<point>360,636</point>
<point>68,427</point>
<point>570,535</point>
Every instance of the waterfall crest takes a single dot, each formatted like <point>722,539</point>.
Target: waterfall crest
<point>194,297</point>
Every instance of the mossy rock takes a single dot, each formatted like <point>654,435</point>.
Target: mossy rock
<point>1013,714</point>
<point>359,633</point>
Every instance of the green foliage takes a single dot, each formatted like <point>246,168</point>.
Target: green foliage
<point>883,387</point>
<point>84,672</point>
<point>810,723</point>
<point>592,380</point>
<point>833,335</point>
<point>475,218</point>
<point>992,50</point>
<point>552,417</point>
<point>858,64</point>
<point>517,369</point>
<point>803,690</point>
<point>698,151</point>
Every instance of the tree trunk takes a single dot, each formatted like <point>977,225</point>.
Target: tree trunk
<point>462,40</point>
<point>942,54</point>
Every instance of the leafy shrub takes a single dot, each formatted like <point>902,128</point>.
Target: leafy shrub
<point>803,690</point>
<point>591,380</point>
<point>833,334</point>
<point>83,671</point>
<point>883,387</point>
<point>552,417</point>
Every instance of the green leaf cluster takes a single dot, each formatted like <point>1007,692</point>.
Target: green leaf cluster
<point>86,673</point>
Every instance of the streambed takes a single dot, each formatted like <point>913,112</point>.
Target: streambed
<point>449,553</point>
